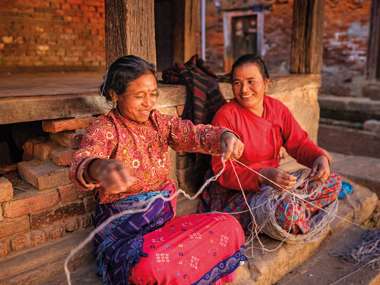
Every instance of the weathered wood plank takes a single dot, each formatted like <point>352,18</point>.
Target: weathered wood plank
<point>130,29</point>
<point>373,59</point>
<point>307,37</point>
<point>70,98</point>
<point>34,108</point>
<point>187,29</point>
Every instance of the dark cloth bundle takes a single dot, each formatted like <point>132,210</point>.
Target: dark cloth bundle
<point>203,99</point>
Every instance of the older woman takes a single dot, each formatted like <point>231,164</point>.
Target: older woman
<point>124,157</point>
<point>264,124</point>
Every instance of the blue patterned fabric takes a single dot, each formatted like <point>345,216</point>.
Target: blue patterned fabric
<point>222,269</point>
<point>119,246</point>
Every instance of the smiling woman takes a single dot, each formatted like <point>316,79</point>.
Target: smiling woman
<point>140,99</point>
<point>264,124</point>
<point>124,158</point>
<point>249,83</point>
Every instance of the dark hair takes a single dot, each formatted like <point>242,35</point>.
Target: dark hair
<point>250,58</point>
<point>121,72</point>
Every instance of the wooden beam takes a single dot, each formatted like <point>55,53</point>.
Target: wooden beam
<point>187,29</point>
<point>307,36</point>
<point>129,29</point>
<point>373,59</point>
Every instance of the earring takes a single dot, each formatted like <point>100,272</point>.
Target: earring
<point>113,96</point>
<point>114,102</point>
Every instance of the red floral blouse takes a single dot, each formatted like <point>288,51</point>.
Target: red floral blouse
<point>141,147</point>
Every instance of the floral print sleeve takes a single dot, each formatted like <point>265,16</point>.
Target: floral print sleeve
<point>99,141</point>
<point>185,136</point>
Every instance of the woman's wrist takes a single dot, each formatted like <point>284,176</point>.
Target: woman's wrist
<point>90,172</point>
<point>261,178</point>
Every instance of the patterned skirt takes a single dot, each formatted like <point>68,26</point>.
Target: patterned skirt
<point>153,247</point>
<point>292,217</point>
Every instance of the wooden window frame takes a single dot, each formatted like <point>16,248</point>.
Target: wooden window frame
<point>227,32</point>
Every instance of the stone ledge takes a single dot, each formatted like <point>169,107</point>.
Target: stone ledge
<point>18,104</point>
<point>349,108</point>
<point>361,169</point>
<point>36,265</point>
<point>356,142</point>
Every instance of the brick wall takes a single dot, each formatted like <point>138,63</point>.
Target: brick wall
<point>69,34</point>
<point>277,33</point>
<point>345,40</point>
<point>345,46</point>
<point>38,203</point>
<point>51,34</point>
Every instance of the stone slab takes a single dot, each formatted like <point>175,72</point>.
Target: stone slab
<point>325,267</point>
<point>372,91</point>
<point>43,174</point>
<point>361,169</point>
<point>349,141</point>
<point>34,108</point>
<point>38,265</point>
<point>349,108</point>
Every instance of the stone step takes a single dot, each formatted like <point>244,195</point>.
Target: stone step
<point>263,268</point>
<point>349,141</point>
<point>355,109</point>
<point>326,268</point>
<point>362,169</point>
<point>38,265</point>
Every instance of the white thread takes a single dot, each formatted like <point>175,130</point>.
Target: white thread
<point>254,228</point>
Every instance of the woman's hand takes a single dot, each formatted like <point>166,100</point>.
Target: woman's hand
<point>280,177</point>
<point>111,175</point>
<point>321,169</point>
<point>232,147</point>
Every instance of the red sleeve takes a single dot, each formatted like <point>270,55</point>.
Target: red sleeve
<point>297,142</point>
<point>249,180</point>
<point>185,136</point>
<point>98,142</point>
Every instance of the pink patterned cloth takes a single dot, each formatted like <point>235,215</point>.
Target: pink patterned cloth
<point>193,249</point>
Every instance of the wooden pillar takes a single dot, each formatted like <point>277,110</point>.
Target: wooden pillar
<point>129,29</point>
<point>186,38</point>
<point>373,58</point>
<point>307,36</point>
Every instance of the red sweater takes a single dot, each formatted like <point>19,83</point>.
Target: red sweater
<point>262,137</point>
